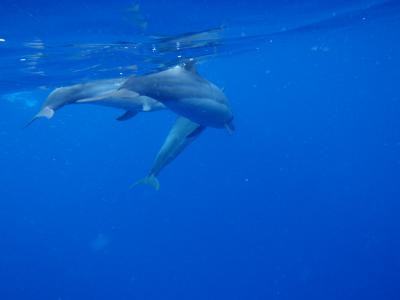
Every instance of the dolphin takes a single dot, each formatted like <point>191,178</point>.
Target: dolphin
<point>183,133</point>
<point>99,92</point>
<point>70,94</point>
<point>184,91</point>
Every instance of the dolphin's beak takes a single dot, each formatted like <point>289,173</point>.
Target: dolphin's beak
<point>46,112</point>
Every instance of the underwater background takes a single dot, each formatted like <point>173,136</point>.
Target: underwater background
<point>301,202</point>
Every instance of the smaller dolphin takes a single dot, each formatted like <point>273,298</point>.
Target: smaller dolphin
<point>183,133</point>
<point>70,94</point>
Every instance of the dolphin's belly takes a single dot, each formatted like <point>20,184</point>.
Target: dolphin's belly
<point>206,112</point>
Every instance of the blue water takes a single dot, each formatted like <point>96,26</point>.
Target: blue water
<point>301,202</point>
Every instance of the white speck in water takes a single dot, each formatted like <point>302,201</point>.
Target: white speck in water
<point>2,40</point>
<point>22,59</point>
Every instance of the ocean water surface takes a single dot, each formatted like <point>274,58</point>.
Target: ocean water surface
<point>300,202</point>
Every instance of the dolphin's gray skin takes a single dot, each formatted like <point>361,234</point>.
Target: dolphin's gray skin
<point>70,94</point>
<point>180,136</point>
<point>186,93</point>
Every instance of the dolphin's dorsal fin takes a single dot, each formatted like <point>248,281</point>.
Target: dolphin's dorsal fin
<point>127,115</point>
<point>190,65</point>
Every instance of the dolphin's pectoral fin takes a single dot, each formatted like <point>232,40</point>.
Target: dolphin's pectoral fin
<point>127,115</point>
<point>230,126</point>
<point>195,133</point>
<point>149,180</point>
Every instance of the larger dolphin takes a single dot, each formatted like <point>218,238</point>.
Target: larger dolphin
<point>185,92</point>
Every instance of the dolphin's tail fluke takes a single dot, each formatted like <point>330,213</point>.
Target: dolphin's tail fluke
<point>149,180</point>
<point>46,112</point>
